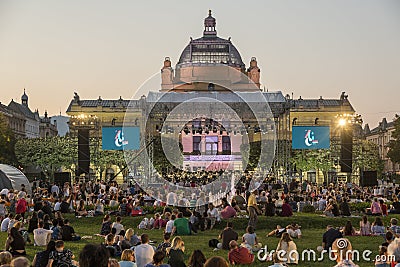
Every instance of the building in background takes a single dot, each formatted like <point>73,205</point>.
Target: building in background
<point>32,120</point>
<point>381,136</point>
<point>46,127</point>
<point>204,136</point>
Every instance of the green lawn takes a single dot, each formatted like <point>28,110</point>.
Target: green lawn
<point>313,226</point>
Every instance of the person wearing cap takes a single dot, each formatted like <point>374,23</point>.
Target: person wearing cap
<point>252,209</point>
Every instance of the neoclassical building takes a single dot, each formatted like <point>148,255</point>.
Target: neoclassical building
<point>211,67</point>
<point>381,136</point>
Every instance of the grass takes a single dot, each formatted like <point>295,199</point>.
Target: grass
<point>313,227</point>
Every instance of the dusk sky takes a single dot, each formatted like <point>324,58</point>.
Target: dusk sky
<point>109,48</point>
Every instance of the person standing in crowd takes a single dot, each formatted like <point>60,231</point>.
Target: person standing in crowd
<point>252,209</point>
<point>144,252</point>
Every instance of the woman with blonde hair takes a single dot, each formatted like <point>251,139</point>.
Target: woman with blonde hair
<point>127,258</point>
<point>287,245</point>
<point>131,237</point>
<point>176,252</point>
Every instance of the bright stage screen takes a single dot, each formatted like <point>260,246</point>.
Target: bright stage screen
<point>119,138</point>
<point>310,137</point>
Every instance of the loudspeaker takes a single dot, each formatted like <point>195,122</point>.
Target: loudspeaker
<point>346,150</point>
<point>369,178</point>
<point>61,178</point>
<point>83,152</point>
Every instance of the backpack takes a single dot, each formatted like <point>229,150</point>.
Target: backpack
<point>213,243</point>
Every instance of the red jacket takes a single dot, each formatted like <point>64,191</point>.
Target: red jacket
<point>240,255</point>
<point>21,206</point>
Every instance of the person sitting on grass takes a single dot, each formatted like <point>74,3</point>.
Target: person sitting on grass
<point>197,259</point>
<point>127,258</point>
<point>68,232</point>
<point>348,229</point>
<point>131,237</point>
<point>20,262</point>
<point>166,243</point>
<point>226,236</point>
<point>6,258</point>
<point>250,240</point>
<point>99,208</point>
<point>158,260</point>
<point>41,236</point>
<point>394,227</point>
<point>239,255</point>
<point>15,243</point>
<point>106,225</point>
<point>343,253</point>
<point>287,245</point>
<point>277,261</point>
<point>176,252</point>
<point>365,226</point>
<point>377,227</point>
<point>158,221</point>
<point>286,209</point>
<point>181,226</point>
<point>60,256</point>
<point>227,211</point>
<point>144,252</point>
<point>277,232</point>
<point>81,209</point>
<point>170,224</point>
<point>117,225</point>
<point>216,261</point>
<point>294,230</point>
<point>93,255</point>
<point>42,257</point>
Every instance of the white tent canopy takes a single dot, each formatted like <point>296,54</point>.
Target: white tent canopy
<point>12,178</point>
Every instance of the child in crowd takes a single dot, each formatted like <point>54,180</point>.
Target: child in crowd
<point>170,224</point>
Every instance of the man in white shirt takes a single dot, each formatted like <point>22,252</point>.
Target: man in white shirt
<point>41,236</point>
<point>144,252</point>
<point>6,222</point>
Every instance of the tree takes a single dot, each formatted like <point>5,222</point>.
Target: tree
<point>394,144</point>
<point>366,157</point>
<point>7,143</point>
<point>319,160</point>
<point>49,154</point>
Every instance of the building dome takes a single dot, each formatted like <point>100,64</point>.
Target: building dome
<point>24,99</point>
<point>210,49</point>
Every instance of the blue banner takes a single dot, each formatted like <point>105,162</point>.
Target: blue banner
<point>310,137</point>
<point>120,138</point>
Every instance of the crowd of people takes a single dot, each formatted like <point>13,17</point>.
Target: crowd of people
<point>40,214</point>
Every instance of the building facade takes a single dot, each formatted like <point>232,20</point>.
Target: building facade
<point>381,136</point>
<point>202,136</point>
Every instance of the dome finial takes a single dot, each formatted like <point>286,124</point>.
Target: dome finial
<point>209,26</point>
